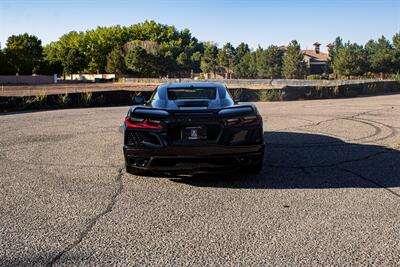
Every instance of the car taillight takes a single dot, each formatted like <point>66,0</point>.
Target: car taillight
<point>141,123</point>
<point>243,121</point>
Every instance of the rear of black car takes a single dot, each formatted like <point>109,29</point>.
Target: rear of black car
<point>191,137</point>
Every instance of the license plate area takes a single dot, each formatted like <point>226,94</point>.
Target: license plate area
<point>194,133</point>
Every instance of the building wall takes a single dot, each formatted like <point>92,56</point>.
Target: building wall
<point>89,77</point>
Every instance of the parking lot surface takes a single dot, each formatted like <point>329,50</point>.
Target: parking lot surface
<point>329,193</point>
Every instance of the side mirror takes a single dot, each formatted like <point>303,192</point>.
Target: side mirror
<point>139,100</point>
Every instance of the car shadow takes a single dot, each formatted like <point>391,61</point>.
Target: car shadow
<point>296,160</point>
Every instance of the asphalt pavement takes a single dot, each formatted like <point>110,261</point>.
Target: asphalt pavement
<point>329,193</point>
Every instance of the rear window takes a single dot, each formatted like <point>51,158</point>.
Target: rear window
<point>192,93</point>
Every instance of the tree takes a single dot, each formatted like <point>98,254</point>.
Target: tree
<point>74,61</point>
<point>351,60</point>
<point>226,57</point>
<point>333,49</point>
<point>166,64</point>
<point>247,67</point>
<point>184,62</point>
<point>163,43</point>
<point>241,50</point>
<point>209,62</point>
<point>396,57</point>
<point>139,62</point>
<point>196,61</point>
<point>97,45</point>
<point>115,61</point>
<point>4,67</point>
<point>69,51</point>
<point>24,53</point>
<point>380,55</point>
<point>269,63</point>
<point>293,66</point>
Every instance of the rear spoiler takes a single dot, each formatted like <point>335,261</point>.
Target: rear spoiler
<point>237,111</point>
<point>149,111</point>
<point>225,112</point>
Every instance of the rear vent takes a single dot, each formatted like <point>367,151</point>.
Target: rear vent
<point>136,138</point>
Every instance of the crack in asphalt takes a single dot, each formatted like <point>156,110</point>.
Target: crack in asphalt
<point>335,118</point>
<point>337,166</point>
<point>386,150</point>
<point>93,221</point>
<point>24,162</point>
<point>369,180</point>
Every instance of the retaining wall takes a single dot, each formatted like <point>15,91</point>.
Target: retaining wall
<point>27,79</point>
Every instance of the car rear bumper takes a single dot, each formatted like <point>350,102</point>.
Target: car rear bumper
<point>206,158</point>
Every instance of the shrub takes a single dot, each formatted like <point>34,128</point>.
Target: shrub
<point>63,100</point>
<point>86,98</point>
<point>336,91</point>
<point>269,95</point>
<point>35,102</point>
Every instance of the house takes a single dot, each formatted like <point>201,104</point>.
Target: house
<point>317,61</point>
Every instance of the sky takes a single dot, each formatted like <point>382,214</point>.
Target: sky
<point>255,22</point>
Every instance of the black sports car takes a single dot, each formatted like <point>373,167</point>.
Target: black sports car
<point>192,128</point>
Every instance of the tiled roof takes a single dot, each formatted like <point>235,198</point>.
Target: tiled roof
<point>316,56</point>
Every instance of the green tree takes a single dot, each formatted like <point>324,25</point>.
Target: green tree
<point>165,64</point>
<point>241,50</point>
<point>247,67</point>
<point>351,60</point>
<point>293,66</point>
<point>226,57</point>
<point>4,68</point>
<point>333,49</point>
<point>184,62</point>
<point>74,61</point>
<point>196,61</point>
<point>97,45</point>
<point>396,57</point>
<point>380,55</point>
<point>269,63</point>
<point>24,53</point>
<point>69,51</point>
<point>209,61</point>
<point>139,62</point>
<point>116,62</point>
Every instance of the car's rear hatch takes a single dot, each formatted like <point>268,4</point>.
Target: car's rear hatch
<point>194,126</point>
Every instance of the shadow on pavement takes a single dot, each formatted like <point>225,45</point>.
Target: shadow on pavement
<point>302,160</point>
